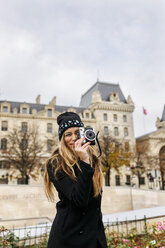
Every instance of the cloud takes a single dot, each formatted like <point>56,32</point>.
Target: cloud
<point>56,47</point>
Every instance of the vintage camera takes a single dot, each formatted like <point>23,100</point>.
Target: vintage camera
<point>89,135</point>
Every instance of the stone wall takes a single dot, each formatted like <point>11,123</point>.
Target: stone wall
<point>30,201</point>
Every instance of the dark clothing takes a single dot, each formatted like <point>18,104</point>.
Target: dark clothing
<point>78,222</point>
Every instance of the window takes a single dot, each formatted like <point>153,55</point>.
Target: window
<point>124,118</point>
<point>105,130</point>
<point>24,110</point>
<point>24,144</point>
<point>142,180</point>
<point>49,128</point>
<point>3,144</point>
<point>87,115</point>
<point>4,126</point>
<point>49,145</point>
<point>125,131</point>
<point>49,112</point>
<point>116,131</point>
<point>126,146</point>
<point>24,127</point>
<point>117,177</point>
<point>5,109</point>
<point>4,164</point>
<point>115,118</point>
<point>105,117</point>
<point>128,180</point>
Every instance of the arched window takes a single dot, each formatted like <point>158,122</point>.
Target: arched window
<point>116,131</point>
<point>3,144</point>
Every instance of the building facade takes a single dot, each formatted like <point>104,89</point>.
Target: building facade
<point>154,157</point>
<point>103,107</point>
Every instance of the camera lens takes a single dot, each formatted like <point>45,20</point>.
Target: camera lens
<point>90,135</point>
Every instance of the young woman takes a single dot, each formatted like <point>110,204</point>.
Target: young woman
<point>75,171</point>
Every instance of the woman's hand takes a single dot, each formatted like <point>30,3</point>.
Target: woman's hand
<point>81,150</point>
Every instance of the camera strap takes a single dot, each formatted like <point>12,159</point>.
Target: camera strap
<point>98,144</point>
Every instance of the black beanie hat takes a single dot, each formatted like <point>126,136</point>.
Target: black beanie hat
<point>67,120</point>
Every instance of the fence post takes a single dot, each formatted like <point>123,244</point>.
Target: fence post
<point>145,225</point>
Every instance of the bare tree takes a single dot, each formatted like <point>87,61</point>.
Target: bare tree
<point>141,155</point>
<point>24,152</point>
<point>114,155</point>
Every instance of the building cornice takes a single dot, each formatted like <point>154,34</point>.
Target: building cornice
<point>110,106</point>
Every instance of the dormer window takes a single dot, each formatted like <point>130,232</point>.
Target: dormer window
<point>87,115</point>
<point>49,112</point>
<point>24,110</point>
<point>5,109</point>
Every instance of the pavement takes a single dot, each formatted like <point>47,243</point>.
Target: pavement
<point>138,214</point>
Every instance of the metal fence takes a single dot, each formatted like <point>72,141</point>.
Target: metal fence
<point>36,236</point>
<point>140,225</point>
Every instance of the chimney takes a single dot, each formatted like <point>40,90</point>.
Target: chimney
<point>53,101</point>
<point>38,99</point>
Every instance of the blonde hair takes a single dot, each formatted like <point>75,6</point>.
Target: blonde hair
<point>63,159</point>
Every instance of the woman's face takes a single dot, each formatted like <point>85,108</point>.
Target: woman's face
<point>71,135</point>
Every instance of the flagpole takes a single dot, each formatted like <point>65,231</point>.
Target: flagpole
<point>144,124</point>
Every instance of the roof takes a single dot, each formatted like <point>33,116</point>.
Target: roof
<point>163,114</point>
<point>105,90</point>
<point>147,134</point>
<point>40,107</point>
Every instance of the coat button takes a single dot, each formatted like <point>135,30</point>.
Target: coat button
<point>81,232</point>
<point>83,213</point>
<point>97,209</point>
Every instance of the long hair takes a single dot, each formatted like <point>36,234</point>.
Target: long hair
<point>63,159</point>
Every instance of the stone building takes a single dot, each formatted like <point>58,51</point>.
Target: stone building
<point>154,157</point>
<point>103,107</point>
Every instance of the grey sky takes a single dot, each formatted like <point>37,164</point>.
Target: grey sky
<point>56,47</point>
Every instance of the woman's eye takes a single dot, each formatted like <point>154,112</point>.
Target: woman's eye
<point>67,135</point>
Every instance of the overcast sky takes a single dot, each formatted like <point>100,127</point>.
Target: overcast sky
<point>60,47</point>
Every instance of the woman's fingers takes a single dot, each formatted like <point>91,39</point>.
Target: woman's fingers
<point>79,142</point>
<point>86,145</point>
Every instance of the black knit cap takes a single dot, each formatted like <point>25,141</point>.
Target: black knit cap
<point>67,120</point>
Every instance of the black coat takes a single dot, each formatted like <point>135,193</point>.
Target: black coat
<point>78,222</point>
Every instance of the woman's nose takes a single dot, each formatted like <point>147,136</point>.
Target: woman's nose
<point>74,137</point>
